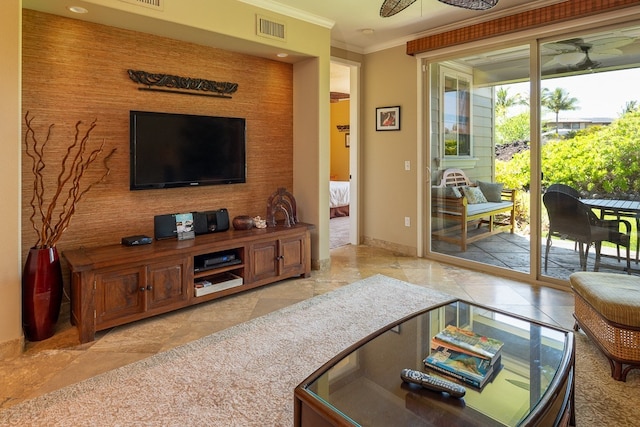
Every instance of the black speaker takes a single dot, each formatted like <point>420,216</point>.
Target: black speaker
<point>200,223</point>
<point>211,221</point>
<point>164,226</point>
<point>222,219</point>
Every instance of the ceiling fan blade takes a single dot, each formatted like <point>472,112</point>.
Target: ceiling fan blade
<point>611,43</point>
<point>472,4</point>
<point>391,7</point>
<point>603,54</point>
<point>548,61</point>
<point>565,45</point>
<point>570,58</point>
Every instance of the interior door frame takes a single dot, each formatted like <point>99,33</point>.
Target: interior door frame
<point>354,147</point>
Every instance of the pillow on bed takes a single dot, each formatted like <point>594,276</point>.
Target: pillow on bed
<point>492,191</point>
<point>474,195</point>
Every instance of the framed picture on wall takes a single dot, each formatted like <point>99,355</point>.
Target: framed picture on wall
<point>388,118</point>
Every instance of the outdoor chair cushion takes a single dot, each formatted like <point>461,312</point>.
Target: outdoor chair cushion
<point>492,190</point>
<point>438,191</point>
<point>486,207</point>
<point>474,195</point>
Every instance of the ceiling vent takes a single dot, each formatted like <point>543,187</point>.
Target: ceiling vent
<point>152,4</point>
<point>269,28</point>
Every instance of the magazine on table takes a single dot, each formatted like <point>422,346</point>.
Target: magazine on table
<point>469,369</point>
<point>466,341</point>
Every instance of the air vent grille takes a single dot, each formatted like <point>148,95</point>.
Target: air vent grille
<point>153,4</point>
<point>267,27</point>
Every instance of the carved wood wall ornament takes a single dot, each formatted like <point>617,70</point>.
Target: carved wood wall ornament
<point>176,83</point>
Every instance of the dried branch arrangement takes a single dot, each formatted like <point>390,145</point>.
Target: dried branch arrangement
<point>49,222</point>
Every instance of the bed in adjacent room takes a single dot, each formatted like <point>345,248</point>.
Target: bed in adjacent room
<point>338,198</point>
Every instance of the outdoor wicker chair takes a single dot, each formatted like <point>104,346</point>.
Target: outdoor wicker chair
<point>571,219</point>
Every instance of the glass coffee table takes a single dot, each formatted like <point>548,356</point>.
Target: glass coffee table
<point>534,384</point>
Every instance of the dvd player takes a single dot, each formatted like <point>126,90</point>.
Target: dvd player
<point>214,266</point>
<point>219,259</point>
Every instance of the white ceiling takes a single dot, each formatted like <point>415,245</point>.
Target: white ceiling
<point>350,17</point>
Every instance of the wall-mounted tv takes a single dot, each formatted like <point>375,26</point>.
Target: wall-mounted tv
<point>182,150</point>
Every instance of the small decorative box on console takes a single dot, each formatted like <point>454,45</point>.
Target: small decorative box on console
<point>136,240</point>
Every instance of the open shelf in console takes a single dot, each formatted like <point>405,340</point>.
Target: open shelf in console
<point>216,283</point>
<point>216,262</point>
<point>218,271</point>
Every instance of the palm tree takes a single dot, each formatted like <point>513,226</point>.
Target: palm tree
<point>504,101</point>
<point>558,100</point>
<point>629,107</point>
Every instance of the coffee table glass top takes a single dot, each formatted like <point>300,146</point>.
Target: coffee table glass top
<point>363,385</point>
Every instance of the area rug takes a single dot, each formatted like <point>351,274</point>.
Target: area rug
<point>245,375</point>
<point>600,400</point>
<point>339,231</point>
<point>242,376</point>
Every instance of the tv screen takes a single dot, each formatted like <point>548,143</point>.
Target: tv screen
<point>181,150</point>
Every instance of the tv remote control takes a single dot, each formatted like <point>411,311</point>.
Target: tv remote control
<point>432,383</point>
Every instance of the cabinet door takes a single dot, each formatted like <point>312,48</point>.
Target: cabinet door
<point>264,260</point>
<point>166,284</point>
<point>119,294</point>
<point>292,256</point>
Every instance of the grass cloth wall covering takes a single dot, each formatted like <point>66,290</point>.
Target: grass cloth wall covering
<point>73,70</point>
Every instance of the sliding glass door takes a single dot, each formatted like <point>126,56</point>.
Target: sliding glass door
<point>578,130</point>
<point>479,129</point>
<point>590,125</point>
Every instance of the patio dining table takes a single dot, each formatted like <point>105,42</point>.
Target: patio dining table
<point>619,208</point>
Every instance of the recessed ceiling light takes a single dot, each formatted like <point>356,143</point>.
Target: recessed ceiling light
<point>282,55</point>
<point>78,9</point>
<point>367,31</point>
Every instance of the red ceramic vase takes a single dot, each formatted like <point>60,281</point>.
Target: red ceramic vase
<point>41,293</point>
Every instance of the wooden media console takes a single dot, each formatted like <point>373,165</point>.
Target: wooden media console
<point>113,285</point>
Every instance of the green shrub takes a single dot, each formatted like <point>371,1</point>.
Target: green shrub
<point>513,129</point>
<point>596,161</point>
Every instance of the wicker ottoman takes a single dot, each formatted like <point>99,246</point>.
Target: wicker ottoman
<point>607,309</point>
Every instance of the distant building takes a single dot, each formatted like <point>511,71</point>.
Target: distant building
<point>574,124</point>
<point>568,125</point>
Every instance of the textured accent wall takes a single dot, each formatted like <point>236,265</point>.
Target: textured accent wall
<point>559,12</point>
<point>73,70</point>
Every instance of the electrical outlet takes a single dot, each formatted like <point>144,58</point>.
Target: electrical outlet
<point>407,221</point>
<point>407,165</point>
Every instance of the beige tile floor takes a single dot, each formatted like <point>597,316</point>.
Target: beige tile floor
<point>62,360</point>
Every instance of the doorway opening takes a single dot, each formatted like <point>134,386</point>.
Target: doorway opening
<point>343,202</point>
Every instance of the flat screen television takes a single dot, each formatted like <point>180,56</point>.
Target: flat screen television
<point>182,150</point>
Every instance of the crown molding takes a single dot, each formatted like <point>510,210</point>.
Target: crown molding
<point>292,12</point>
<point>488,17</point>
<point>460,24</point>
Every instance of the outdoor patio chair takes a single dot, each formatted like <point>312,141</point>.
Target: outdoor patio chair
<point>564,188</point>
<point>575,193</point>
<point>572,191</point>
<point>571,219</point>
